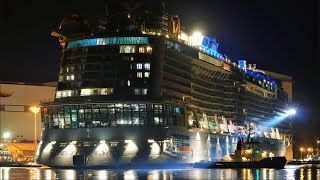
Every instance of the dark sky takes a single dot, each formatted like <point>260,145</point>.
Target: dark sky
<point>277,35</point>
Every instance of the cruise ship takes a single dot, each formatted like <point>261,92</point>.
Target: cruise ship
<point>134,87</point>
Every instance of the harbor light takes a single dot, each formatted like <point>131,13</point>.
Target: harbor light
<point>48,147</point>
<point>102,148</point>
<point>6,135</point>
<point>155,149</point>
<point>301,150</point>
<point>130,149</point>
<point>291,112</point>
<point>35,110</point>
<point>264,154</point>
<point>196,39</point>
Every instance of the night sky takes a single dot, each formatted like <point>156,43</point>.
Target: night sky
<point>277,35</point>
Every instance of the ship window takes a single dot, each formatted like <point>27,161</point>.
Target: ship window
<point>85,92</point>
<point>74,117</point>
<point>61,121</point>
<point>58,95</point>
<point>135,120</point>
<point>177,110</point>
<point>96,123</point>
<point>147,66</point>
<point>64,94</point>
<point>141,49</point>
<point>149,49</point>
<point>81,124</point>
<point>146,74</point>
<point>97,91</point>
<point>69,93</point>
<point>139,66</point>
<point>127,49</point>
<point>139,74</point>
<point>106,91</point>
<point>135,107</point>
<point>144,91</point>
<point>156,120</point>
<point>55,121</point>
<point>60,78</point>
<point>137,91</point>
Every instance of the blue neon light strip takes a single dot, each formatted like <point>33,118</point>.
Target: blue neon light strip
<point>211,47</point>
<point>205,42</point>
<point>261,76</point>
<point>213,53</point>
<point>108,41</point>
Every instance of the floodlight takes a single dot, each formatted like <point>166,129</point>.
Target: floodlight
<point>291,112</point>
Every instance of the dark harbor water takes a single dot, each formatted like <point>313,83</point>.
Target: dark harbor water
<point>290,172</point>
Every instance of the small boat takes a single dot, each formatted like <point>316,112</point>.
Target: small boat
<point>247,155</point>
<point>267,162</point>
<point>6,160</point>
<point>5,156</point>
<point>272,162</point>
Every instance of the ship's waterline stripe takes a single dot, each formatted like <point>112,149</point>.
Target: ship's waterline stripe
<point>107,41</point>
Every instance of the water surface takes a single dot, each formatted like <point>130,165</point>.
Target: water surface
<point>290,172</point>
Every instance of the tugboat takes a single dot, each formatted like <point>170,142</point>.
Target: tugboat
<point>6,160</point>
<point>247,155</point>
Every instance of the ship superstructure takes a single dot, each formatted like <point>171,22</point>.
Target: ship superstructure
<point>135,88</point>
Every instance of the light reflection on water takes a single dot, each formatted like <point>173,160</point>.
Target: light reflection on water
<point>290,172</point>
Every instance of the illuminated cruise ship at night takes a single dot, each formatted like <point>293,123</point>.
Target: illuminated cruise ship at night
<point>134,88</point>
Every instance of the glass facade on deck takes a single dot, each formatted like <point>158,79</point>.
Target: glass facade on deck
<point>107,41</point>
<point>111,115</point>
